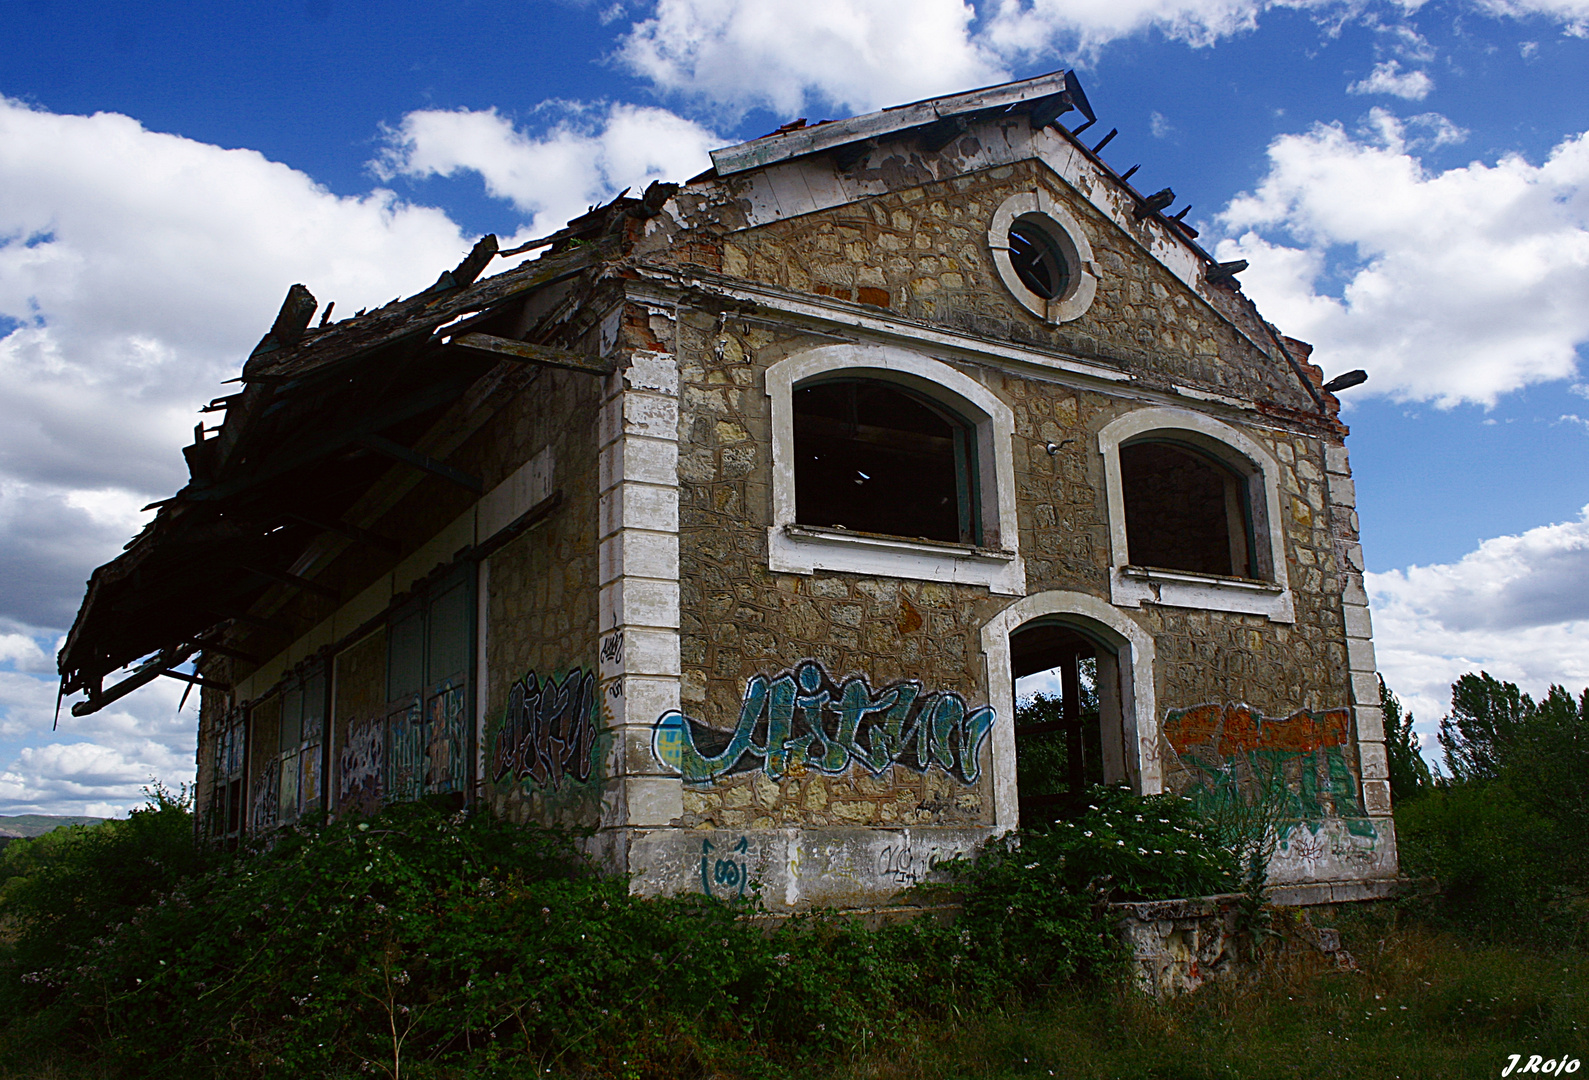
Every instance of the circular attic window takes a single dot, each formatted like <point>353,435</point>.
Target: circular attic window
<point>1043,257</point>
<point>1037,259</point>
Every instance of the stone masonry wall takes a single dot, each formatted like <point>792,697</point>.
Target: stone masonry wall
<point>544,757</point>
<point>922,252</point>
<point>740,621</point>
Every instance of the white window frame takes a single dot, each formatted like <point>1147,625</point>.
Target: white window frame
<point>1071,239</point>
<point>804,549</point>
<point>1132,586</point>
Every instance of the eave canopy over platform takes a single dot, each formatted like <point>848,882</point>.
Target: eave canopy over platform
<point>322,415</point>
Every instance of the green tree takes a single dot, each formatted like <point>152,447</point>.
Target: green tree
<point>1487,719</point>
<point>59,891</point>
<point>1409,773</point>
<point>1505,835</point>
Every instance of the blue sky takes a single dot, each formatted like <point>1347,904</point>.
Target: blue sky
<point>1410,183</point>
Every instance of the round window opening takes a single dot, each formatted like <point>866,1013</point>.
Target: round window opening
<point>1038,260</point>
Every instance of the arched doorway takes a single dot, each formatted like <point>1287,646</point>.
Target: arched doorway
<point>1066,695</point>
<point>1108,657</point>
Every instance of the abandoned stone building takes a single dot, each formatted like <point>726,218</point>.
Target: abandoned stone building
<point>725,521</point>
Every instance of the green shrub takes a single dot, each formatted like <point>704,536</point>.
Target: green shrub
<point>1033,901</point>
<point>419,941</point>
<point>60,891</point>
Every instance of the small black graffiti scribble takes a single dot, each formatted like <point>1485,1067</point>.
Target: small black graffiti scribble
<point>612,648</point>
<point>905,865</point>
<point>549,731</point>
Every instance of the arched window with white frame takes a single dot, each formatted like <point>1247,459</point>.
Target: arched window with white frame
<point>1194,515</point>
<point>893,463</point>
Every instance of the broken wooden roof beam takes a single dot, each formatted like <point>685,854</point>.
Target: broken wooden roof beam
<point>524,352</point>
<point>424,462</point>
<point>144,674</point>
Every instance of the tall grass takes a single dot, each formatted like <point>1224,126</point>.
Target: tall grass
<point>1420,1003</point>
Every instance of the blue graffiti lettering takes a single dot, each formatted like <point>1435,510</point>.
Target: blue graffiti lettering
<point>801,719</point>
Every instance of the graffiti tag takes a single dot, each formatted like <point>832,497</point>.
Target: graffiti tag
<point>729,875</point>
<point>905,865</point>
<point>548,735</point>
<point>612,648</point>
<point>1298,761</point>
<point>362,763</point>
<point>802,719</point>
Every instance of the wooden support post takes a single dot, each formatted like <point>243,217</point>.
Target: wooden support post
<point>1070,686</point>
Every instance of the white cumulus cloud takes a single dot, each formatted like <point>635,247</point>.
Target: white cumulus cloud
<point>1388,78</point>
<point>1460,285</point>
<point>104,759</point>
<point>1572,15</point>
<point>1031,27</point>
<point>796,57</point>
<point>137,269</point>
<point>786,56</point>
<point>1517,607</point>
<point>586,155</point>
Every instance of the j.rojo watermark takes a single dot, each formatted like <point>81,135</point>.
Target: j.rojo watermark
<point>1538,1063</point>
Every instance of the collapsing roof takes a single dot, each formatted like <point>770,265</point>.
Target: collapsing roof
<point>300,467</point>
<point>286,479</point>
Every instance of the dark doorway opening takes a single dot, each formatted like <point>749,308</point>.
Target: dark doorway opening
<point>1058,718</point>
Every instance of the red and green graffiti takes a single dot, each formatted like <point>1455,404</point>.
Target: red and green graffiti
<point>1300,761</point>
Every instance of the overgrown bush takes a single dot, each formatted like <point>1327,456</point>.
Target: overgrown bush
<point>1033,901</point>
<point>60,891</point>
<point>423,943</point>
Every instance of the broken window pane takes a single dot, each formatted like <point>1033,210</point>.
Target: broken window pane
<point>876,458</point>
<point>1184,511</point>
<point>1037,259</point>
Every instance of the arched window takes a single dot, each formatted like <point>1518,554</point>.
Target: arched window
<point>1185,510</point>
<point>874,457</point>
<point>1194,515</point>
<point>892,463</point>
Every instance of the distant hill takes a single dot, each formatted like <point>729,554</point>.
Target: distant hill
<point>39,824</point>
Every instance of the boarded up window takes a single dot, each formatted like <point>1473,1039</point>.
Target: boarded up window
<point>876,458</point>
<point>1184,511</point>
<point>301,743</point>
<point>429,657</point>
<point>227,812</point>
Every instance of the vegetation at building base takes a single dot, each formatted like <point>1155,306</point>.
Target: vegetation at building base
<point>1420,1003</point>
<point>427,944</point>
<point>420,941</point>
